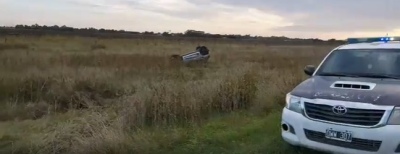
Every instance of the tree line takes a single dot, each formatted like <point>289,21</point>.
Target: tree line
<point>36,29</point>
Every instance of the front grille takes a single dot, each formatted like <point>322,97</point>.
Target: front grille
<point>362,117</point>
<point>357,143</point>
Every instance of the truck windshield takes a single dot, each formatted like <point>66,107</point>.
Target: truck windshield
<point>379,63</point>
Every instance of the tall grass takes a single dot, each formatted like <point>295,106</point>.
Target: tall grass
<point>84,95</point>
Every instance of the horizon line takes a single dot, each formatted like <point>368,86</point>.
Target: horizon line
<point>170,32</point>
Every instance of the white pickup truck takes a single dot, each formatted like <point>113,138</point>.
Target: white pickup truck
<point>351,101</point>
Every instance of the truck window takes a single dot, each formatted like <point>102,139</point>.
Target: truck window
<point>362,61</point>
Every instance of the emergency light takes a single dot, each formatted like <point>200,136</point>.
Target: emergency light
<point>372,39</point>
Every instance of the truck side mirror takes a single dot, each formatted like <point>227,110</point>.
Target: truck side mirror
<point>309,70</point>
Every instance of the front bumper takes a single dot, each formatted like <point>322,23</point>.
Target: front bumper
<point>308,133</point>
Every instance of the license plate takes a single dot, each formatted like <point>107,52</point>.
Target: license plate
<point>345,136</point>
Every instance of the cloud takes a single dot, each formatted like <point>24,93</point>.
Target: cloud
<point>300,18</point>
<point>331,15</point>
<point>211,17</point>
<point>174,15</point>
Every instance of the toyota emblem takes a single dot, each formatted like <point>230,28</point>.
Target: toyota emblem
<point>339,109</point>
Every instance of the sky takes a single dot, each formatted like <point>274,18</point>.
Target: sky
<point>323,19</point>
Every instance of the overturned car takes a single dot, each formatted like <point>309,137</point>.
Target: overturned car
<point>200,55</point>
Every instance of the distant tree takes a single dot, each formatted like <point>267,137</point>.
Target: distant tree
<point>194,33</point>
<point>19,26</point>
<point>149,33</point>
<point>166,34</point>
<point>332,40</point>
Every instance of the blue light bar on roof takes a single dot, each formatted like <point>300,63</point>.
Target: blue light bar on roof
<point>372,39</point>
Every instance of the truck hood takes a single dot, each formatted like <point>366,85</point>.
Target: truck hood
<point>385,92</point>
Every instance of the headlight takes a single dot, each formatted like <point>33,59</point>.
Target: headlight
<point>394,118</point>
<point>293,103</point>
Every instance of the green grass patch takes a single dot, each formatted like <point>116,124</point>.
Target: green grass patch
<point>236,133</point>
<point>239,133</point>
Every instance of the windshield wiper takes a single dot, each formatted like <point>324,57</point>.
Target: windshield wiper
<point>338,74</point>
<point>368,75</point>
<point>379,76</point>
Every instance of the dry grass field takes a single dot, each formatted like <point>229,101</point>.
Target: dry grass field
<point>97,96</point>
